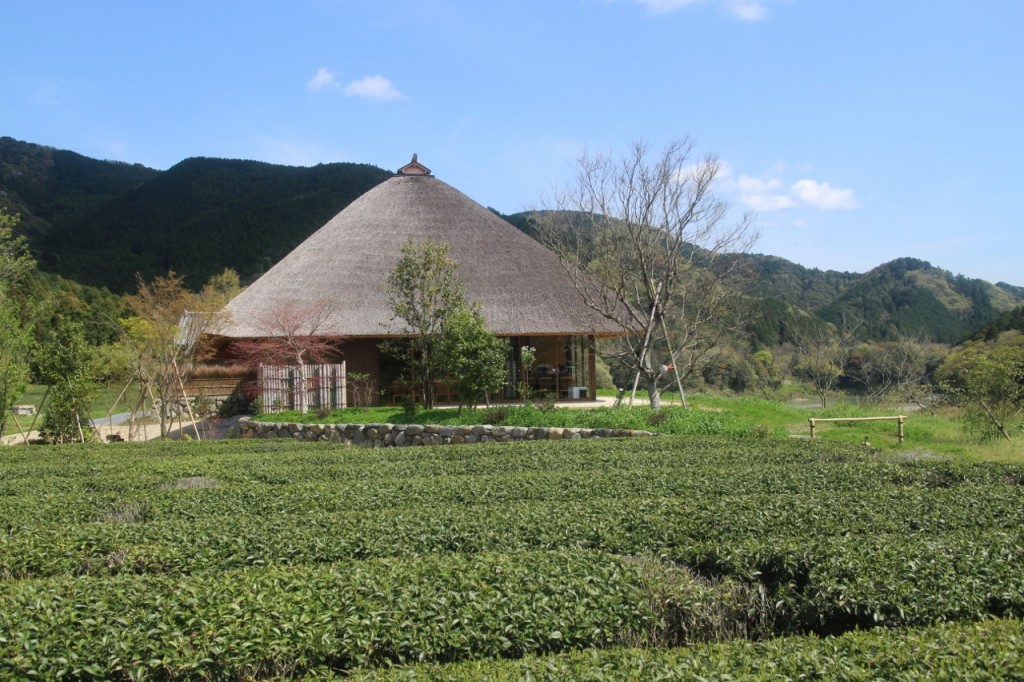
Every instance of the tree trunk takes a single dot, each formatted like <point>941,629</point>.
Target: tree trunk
<point>652,391</point>
<point>300,388</point>
<point>163,420</point>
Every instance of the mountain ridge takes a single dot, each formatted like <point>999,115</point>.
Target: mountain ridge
<point>102,222</point>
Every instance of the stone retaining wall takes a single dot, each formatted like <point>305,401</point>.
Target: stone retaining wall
<point>403,435</point>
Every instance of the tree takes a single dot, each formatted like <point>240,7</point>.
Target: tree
<point>821,356</point>
<point>891,368</point>
<point>65,364</point>
<point>643,239</point>
<point>987,380</point>
<point>167,336</point>
<point>472,356</point>
<point>15,260</point>
<point>291,337</point>
<point>424,291</point>
<point>15,337</point>
<point>15,355</point>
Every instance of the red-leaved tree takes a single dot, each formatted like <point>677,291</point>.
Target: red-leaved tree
<point>292,338</point>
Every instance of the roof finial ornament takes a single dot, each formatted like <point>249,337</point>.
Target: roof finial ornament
<point>414,167</point>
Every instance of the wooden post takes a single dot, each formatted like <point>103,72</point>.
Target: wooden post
<point>592,367</point>
<point>15,418</point>
<point>899,429</point>
<point>812,427</point>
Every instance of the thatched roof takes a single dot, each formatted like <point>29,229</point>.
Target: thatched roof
<point>520,284</point>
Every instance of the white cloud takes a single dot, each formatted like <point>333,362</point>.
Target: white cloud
<point>751,185</point>
<point>690,173</point>
<point>744,10</point>
<point>373,87</point>
<point>666,6</point>
<point>322,79</point>
<point>770,193</point>
<point>768,201</point>
<point>823,195</point>
<point>761,194</point>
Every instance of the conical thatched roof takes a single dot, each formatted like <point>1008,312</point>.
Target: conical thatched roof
<point>520,284</point>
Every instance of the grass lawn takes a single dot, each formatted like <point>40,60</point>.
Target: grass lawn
<point>940,433</point>
<point>101,404</point>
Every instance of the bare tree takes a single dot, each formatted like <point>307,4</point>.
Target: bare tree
<point>822,354</point>
<point>166,335</point>
<point>292,337</point>
<point>643,238</point>
<point>892,368</point>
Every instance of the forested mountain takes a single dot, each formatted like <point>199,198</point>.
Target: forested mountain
<point>100,223</point>
<point>1011,320</point>
<point>54,187</point>
<point>195,218</point>
<point>910,297</point>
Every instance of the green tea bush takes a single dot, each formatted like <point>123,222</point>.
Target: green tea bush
<point>235,559</point>
<point>989,650</point>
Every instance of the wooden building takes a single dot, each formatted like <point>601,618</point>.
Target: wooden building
<point>338,276</point>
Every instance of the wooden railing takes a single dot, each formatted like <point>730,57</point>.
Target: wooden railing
<point>900,419</point>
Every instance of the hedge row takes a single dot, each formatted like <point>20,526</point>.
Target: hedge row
<point>990,650</point>
<point>284,621</point>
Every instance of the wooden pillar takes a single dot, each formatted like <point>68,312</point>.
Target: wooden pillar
<point>592,368</point>
<point>812,427</point>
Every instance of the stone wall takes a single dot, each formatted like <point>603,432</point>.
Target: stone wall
<point>403,435</point>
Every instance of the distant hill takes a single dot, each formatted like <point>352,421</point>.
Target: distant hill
<point>1011,320</point>
<point>55,187</point>
<point>101,222</point>
<point>910,297</point>
<point>195,218</point>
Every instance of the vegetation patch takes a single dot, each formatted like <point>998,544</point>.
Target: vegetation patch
<point>313,559</point>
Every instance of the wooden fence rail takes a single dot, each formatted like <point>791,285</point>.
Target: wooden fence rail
<point>900,420</point>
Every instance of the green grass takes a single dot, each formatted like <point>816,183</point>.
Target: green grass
<point>940,433</point>
<point>670,420</point>
<point>101,404</point>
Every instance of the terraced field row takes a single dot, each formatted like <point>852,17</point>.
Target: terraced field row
<point>233,559</point>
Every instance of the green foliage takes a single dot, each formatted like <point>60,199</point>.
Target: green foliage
<point>989,650</point>
<point>472,356</point>
<point>201,216</point>
<point>15,259</point>
<point>988,381</point>
<point>425,293</point>
<point>240,559</point>
<point>1009,321</point>
<point>65,364</point>
<point>15,355</point>
<point>543,413</point>
<point>909,297</point>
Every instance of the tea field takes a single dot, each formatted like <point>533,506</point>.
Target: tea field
<point>677,556</point>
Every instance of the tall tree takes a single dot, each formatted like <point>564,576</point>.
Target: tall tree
<point>15,260</point>
<point>642,235</point>
<point>167,334</point>
<point>15,336</point>
<point>424,291</point>
<point>15,355</point>
<point>65,363</point>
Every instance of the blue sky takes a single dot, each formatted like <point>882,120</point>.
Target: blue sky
<point>859,130</point>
